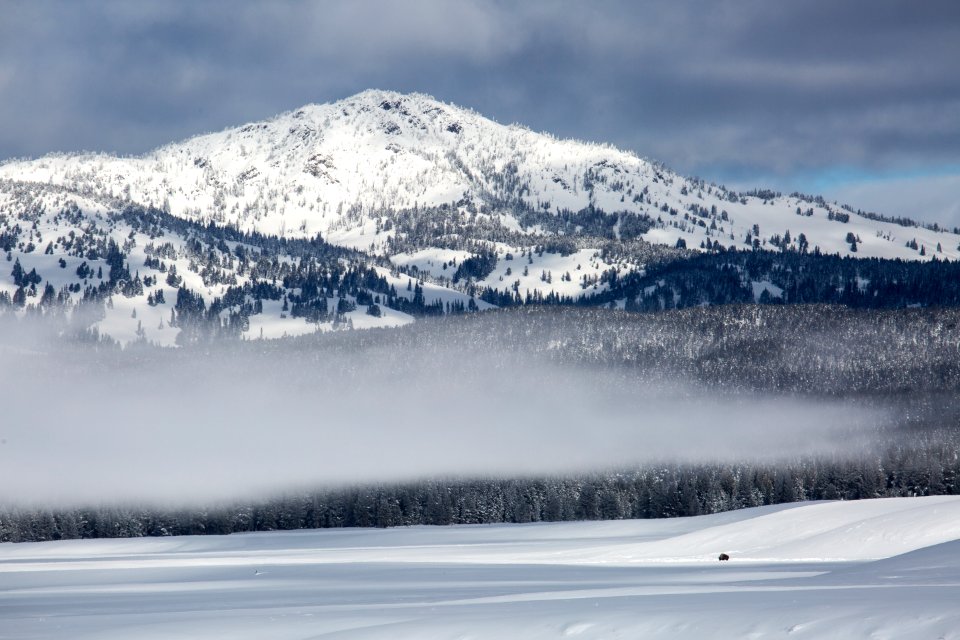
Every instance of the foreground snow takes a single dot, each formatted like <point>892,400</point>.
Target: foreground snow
<point>879,569</point>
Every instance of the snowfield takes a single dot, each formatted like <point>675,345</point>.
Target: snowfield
<point>871,569</point>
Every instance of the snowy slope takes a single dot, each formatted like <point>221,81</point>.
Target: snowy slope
<point>61,236</point>
<point>334,169</point>
<point>877,569</point>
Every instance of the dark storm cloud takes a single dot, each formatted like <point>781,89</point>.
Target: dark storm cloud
<point>721,89</point>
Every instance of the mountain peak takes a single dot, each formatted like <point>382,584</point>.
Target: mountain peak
<point>337,167</point>
<point>381,96</point>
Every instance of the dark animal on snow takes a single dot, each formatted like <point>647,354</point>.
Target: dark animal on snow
<point>724,556</point>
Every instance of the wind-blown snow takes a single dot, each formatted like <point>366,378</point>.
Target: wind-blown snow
<point>868,569</point>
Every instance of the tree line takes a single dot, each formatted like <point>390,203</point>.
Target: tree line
<point>927,465</point>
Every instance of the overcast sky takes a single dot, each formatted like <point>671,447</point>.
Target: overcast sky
<point>858,100</point>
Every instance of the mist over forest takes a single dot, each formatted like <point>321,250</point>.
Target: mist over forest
<point>675,413</point>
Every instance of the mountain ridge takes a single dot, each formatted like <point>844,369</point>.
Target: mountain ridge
<point>445,211</point>
<point>303,171</point>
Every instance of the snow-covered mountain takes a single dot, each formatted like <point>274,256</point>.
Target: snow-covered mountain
<point>337,169</point>
<point>416,187</point>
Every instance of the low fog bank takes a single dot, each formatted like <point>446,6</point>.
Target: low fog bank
<point>86,425</point>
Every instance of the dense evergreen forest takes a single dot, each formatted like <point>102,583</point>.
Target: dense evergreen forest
<point>929,466</point>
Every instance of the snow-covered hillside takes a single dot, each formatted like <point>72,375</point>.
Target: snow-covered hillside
<point>433,209</point>
<point>340,169</point>
<point>866,569</point>
<point>76,258</point>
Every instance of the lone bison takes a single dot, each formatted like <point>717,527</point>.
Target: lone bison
<point>724,556</point>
